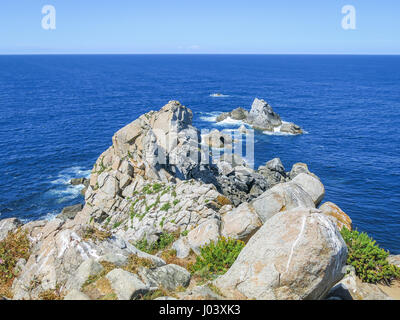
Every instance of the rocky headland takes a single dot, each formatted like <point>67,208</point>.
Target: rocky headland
<point>155,199</point>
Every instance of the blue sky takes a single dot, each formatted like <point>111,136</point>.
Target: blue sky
<point>200,26</point>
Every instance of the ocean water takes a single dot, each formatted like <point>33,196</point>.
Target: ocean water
<point>58,114</point>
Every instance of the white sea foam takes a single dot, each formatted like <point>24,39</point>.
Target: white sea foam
<point>277,131</point>
<point>63,191</point>
<point>229,122</point>
<point>209,117</point>
<point>65,176</point>
<point>219,95</point>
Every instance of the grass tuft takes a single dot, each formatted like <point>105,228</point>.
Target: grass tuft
<point>14,247</point>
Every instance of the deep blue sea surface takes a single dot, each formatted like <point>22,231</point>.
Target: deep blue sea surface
<point>58,114</point>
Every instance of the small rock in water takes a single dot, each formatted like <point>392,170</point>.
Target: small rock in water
<point>70,212</point>
<point>79,181</point>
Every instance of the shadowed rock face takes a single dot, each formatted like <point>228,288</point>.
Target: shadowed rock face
<point>263,116</point>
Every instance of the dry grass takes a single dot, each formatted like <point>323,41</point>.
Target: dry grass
<point>100,290</point>
<point>169,256</point>
<point>135,262</point>
<point>51,295</point>
<point>222,201</point>
<point>215,289</point>
<point>108,266</point>
<point>97,287</point>
<point>92,233</point>
<point>162,292</point>
<point>14,247</point>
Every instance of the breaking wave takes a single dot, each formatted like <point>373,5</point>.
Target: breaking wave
<point>219,95</point>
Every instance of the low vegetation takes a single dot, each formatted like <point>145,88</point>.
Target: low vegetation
<point>51,295</point>
<point>216,258</point>
<point>14,247</point>
<point>135,263</point>
<point>368,259</point>
<point>98,287</point>
<point>162,292</point>
<point>152,188</point>
<point>165,240</point>
<point>92,233</point>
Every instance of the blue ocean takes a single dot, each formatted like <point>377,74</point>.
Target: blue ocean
<point>59,112</point>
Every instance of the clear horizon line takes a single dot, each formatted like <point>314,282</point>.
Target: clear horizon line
<point>193,53</point>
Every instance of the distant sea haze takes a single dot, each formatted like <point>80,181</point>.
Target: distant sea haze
<point>58,114</point>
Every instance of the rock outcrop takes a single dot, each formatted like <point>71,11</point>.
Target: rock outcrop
<point>157,179</point>
<point>261,117</point>
<point>311,185</point>
<point>282,197</point>
<point>298,254</point>
<point>240,223</point>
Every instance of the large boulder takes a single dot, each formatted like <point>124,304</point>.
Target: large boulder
<point>339,217</point>
<point>240,223</point>
<point>273,171</point>
<point>8,225</point>
<point>169,277</point>
<point>282,197</point>
<point>127,286</point>
<point>298,168</point>
<point>312,185</point>
<point>182,247</point>
<point>263,116</point>
<point>202,235</point>
<point>298,254</point>
<point>88,268</point>
<point>163,139</point>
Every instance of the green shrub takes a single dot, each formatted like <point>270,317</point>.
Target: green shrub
<point>185,233</point>
<point>368,259</point>
<point>157,187</point>
<point>147,189</point>
<point>117,224</point>
<point>216,258</point>
<point>163,242</point>
<point>150,189</point>
<point>162,222</point>
<point>166,207</point>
